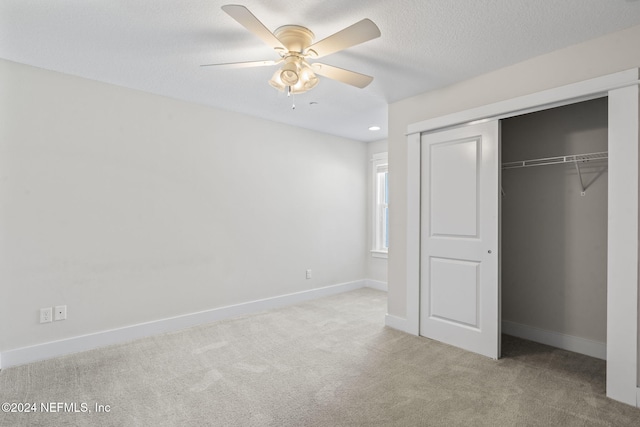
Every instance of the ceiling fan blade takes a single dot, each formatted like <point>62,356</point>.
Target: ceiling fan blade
<point>359,32</point>
<point>345,76</point>
<point>247,64</point>
<point>253,24</point>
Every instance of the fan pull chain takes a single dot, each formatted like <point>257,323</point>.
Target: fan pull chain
<point>291,94</point>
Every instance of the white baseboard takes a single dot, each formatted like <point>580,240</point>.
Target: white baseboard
<point>376,284</point>
<point>77,344</point>
<point>566,342</point>
<point>400,323</point>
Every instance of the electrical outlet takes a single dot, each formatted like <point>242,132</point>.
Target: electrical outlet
<point>308,273</point>
<point>45,315</point>
<point>60,312</point>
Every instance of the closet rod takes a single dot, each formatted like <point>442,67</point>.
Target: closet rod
<point>574,158</point>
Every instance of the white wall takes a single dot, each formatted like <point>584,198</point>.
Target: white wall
<point>554,240</point>
<point>615,52</point>
<point>376,267</point>
<point>130,207</point>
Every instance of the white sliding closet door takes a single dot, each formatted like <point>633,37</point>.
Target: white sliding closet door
<point>460,214</point>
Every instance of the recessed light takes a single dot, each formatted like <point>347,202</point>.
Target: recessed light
<point>374,128</point>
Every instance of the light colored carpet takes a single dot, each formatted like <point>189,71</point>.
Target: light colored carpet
<point>329,362</point>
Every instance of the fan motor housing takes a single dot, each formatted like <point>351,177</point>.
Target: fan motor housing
<point>295,38</point>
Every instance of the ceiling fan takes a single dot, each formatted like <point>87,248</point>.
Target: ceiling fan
<point>294,44</point>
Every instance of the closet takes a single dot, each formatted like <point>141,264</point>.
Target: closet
<point>563,298</point>
<point>554,226</point>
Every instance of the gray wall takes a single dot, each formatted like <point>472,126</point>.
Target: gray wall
<point>554,241</point>
<point>130,207</point>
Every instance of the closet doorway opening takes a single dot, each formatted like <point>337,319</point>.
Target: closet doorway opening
<point>554,214</point>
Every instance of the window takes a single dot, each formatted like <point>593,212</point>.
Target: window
<point>380,205</point>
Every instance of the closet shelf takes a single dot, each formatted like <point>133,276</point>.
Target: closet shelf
<point>574,158</point>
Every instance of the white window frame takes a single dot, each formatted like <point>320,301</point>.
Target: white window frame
<point>380,206</point>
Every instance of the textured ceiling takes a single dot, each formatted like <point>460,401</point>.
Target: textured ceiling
<point>157,46</point>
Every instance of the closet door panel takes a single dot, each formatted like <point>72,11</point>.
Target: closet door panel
<point>453,291</point>
<point>459,280</point>
<point>453,204</point>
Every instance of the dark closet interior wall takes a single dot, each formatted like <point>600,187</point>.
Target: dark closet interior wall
<point>554,240</point>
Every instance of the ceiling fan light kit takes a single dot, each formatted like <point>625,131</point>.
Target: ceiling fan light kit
<point>294,44</point>
<point>296,76</point>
